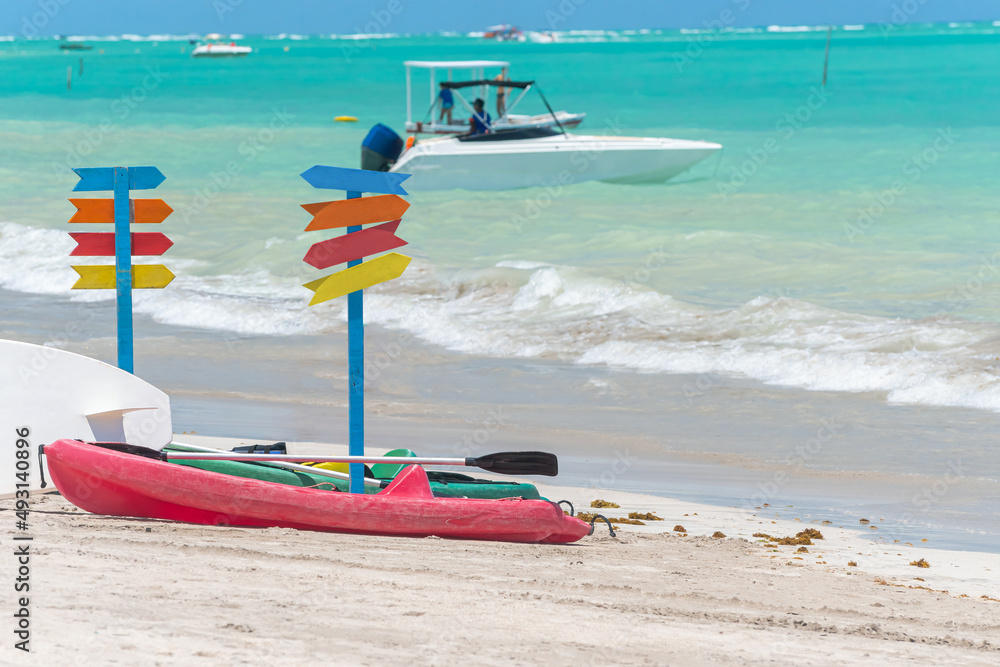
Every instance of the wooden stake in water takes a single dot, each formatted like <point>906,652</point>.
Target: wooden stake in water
<point>69,78</point>
<point>826,61</point>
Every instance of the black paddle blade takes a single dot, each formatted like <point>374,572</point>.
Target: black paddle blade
<point>518,463</point>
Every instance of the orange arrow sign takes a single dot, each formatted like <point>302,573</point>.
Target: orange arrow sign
<point>150,211</point>
<point>348,212</point>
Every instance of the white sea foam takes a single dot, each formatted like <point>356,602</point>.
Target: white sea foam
<point>853,27</point>
<point>366,35</point>
<point>795,28</point>
<point>532,309</point>
<point>131,38</point>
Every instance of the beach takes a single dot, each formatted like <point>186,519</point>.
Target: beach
<point>134,591</point>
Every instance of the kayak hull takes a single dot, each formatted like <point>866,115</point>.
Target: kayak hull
<point>104,481</point>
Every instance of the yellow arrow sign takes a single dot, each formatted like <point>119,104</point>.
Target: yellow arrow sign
<point>359,277</point>
<point>144,276</point>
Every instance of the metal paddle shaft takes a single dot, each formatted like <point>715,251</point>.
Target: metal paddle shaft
<point>503,463</point>
<point>322,472</point>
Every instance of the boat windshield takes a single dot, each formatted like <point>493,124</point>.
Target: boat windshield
<point>536,132</point>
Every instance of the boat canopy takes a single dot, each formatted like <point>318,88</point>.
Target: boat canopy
<point>455,64</point>
<point>477,70</point>
<point>487,82</point>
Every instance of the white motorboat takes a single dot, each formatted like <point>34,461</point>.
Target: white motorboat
<point>220,50</point>
<point>540,157</point>
<point>433,122</point>
<point>504,33</point>
<point>524,157</point>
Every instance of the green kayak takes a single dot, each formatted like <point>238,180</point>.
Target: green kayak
<point>443,484</point>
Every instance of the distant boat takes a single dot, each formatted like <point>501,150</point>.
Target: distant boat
<point>220,50</point>
<point>75,47</point>
<point>504,33</point>
<point>542,37</point>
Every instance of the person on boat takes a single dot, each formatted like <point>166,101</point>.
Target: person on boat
<point>501,96</point>
<point>480,121</point>
<point>447,102</point>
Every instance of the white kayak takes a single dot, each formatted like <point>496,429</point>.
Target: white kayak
<point>48,394</point>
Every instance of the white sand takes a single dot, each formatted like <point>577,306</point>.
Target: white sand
<point>135,592</point>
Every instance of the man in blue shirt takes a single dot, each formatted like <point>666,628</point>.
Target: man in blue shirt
<point>447,102</point>
<point>480,121</point>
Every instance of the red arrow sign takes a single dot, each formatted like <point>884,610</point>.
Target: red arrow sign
<point>103,210</point>
<point>348,212</point>
<point>350,247</point>
<point>102,244</point>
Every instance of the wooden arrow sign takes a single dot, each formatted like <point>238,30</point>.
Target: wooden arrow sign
<point>362,276</point>
<point>350,212</point>
<point>356,180</point>
<point>144,276</point>
<point>149,211</point>
<point>93,179</point>
<point>102,244</point>
<point>350,247</point>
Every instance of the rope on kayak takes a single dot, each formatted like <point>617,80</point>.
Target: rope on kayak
<point>605,519</point>
<point>41,468</point>
<point>572,512</point>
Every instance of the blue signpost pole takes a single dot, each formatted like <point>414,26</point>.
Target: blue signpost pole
<point>356,373</point>
<point>354,182</point>
<point>123,268</point>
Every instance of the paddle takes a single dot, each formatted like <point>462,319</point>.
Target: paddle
<point>502,463</point>
<point>322,472</point>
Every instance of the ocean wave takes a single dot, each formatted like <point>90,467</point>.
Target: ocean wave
<point>795,28</point>
<point>531,309</point>
<point>366,35</point>
<point>131,38</point>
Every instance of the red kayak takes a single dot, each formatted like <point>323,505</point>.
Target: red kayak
<point>105,481</point>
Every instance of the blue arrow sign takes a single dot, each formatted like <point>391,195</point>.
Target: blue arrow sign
<point>356,180</point>
<point>94,179</point>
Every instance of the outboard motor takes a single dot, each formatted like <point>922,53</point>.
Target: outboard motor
<point>380,149</point>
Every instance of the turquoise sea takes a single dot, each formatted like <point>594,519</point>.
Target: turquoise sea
<point>846,240</point>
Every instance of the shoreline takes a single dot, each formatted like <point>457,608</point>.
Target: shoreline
<point>861,544</point>
<point>735,443</point>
